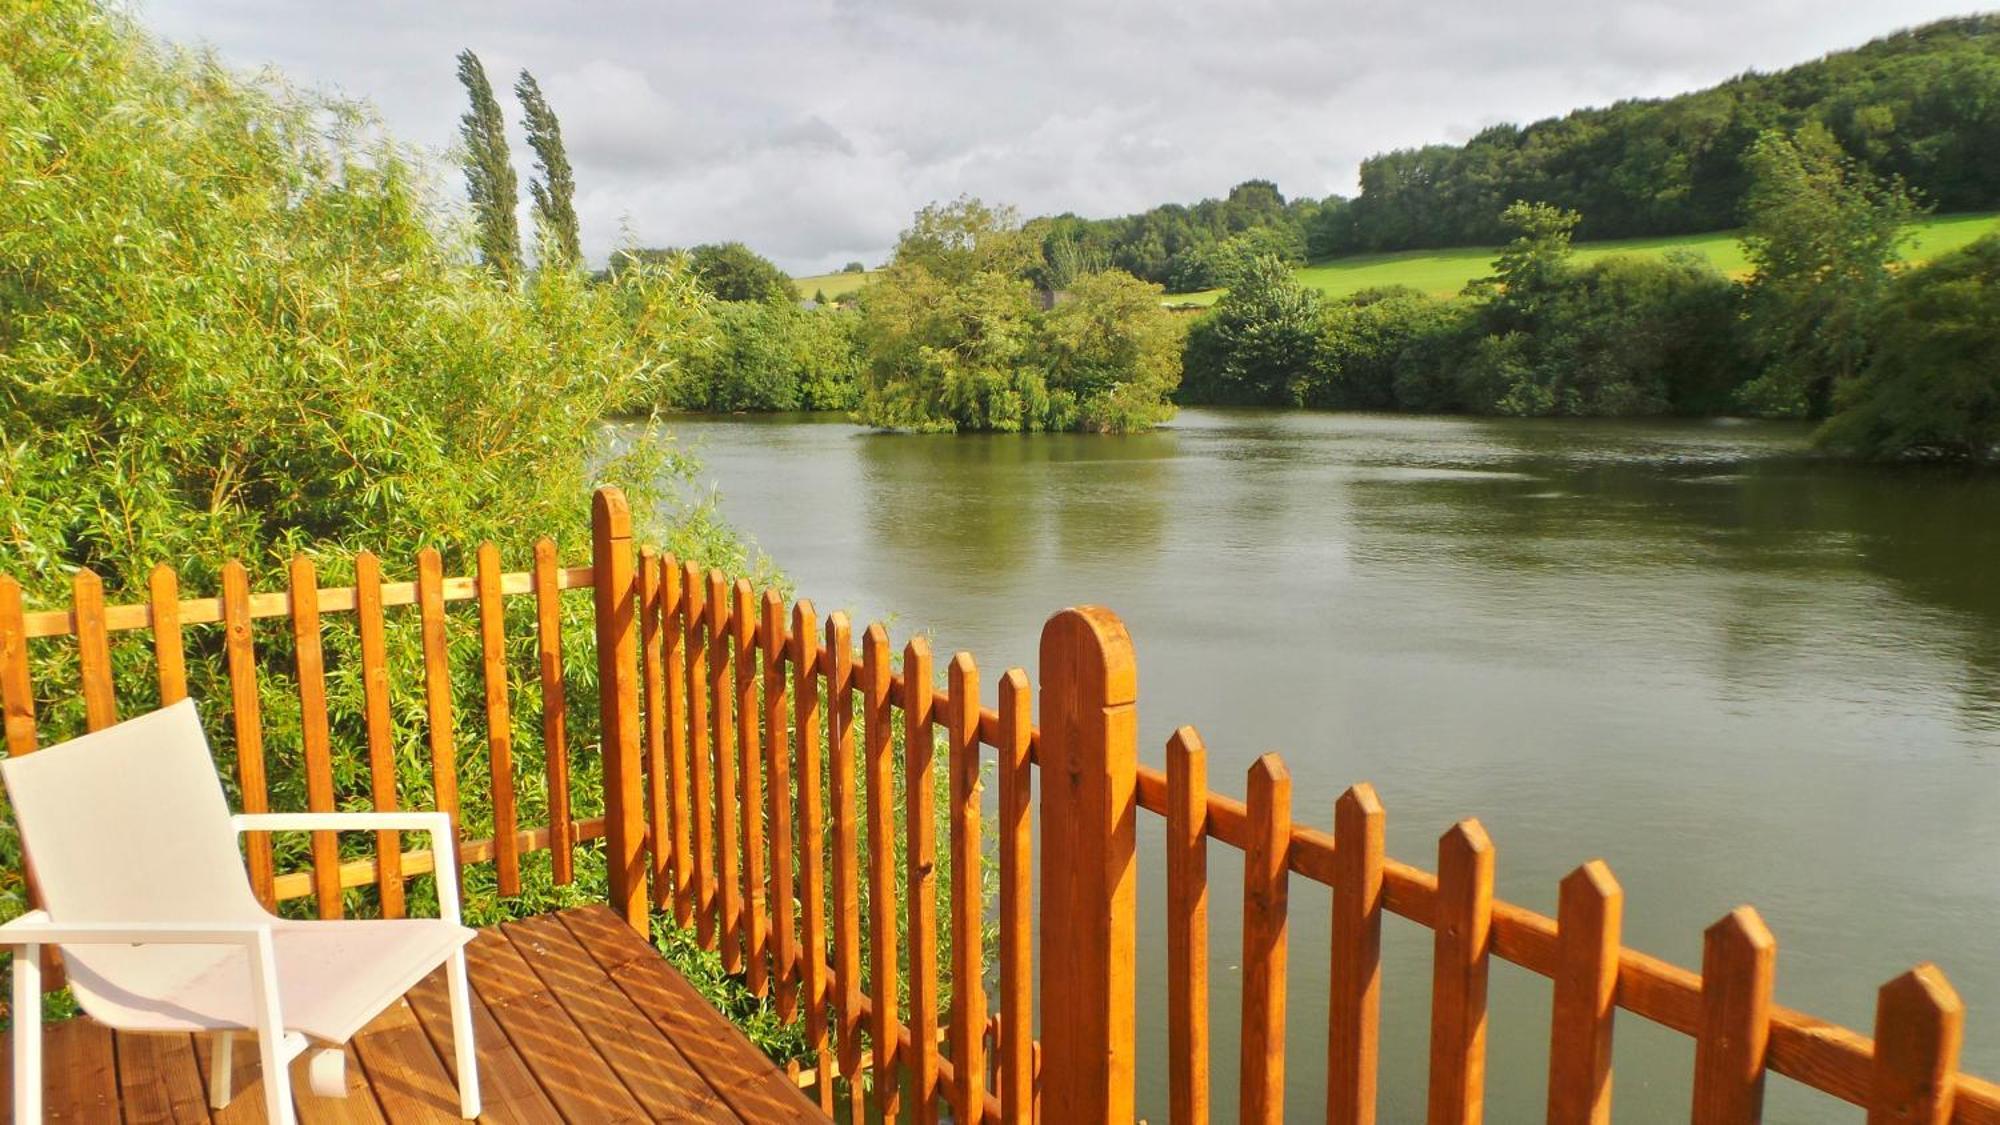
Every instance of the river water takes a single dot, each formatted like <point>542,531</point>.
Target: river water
<point>1736,672</point>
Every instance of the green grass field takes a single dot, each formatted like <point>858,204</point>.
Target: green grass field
<point>1444,272</point>
<point>834,285</point>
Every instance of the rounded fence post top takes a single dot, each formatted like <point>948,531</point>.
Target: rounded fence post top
<point>608,507</point>
<point>1091,641</point>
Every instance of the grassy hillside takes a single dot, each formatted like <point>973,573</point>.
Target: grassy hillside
<point>834,285</point>
<point>1444,272</point>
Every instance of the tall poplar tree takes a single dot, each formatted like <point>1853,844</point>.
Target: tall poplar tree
<point>489,176</point>
<point>555,191</point>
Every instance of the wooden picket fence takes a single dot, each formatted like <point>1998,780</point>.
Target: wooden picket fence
<point>747,752</point>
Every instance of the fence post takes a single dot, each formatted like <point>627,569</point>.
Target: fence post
<point>1089,753</point>
<point>618,692</point>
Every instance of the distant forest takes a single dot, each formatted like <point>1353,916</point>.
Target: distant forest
<point>1922,105</point>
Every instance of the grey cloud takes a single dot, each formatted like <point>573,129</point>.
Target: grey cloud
<point>813,129</point>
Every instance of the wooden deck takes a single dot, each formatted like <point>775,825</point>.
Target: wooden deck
<point>579,1021</point>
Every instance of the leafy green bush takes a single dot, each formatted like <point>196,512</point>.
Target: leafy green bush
<point>774,355</point>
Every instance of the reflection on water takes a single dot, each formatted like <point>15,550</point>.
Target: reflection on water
<point>1736,672</point>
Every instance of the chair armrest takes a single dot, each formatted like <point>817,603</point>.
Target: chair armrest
<point>35,928</point>
<point>436,823</point>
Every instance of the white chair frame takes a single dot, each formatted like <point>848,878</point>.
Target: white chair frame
<point>26,936</point>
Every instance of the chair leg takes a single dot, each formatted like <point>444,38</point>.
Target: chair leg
<point>27,1033</point>
<point>277,1076</point>
<point>222,1070</point>
<point>461,1036</point>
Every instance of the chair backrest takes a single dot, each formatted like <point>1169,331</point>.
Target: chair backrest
<point>129,824</point>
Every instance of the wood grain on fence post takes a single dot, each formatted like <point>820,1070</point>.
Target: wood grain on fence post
<point>885,1024</point>
<point>653,678</point>
<point>812,839</point>
<point>1355,1007</point>
<point>846,800</point>
<point>1919,1028</point>
<point>968,968</point>
<point>1266,892</point>
<point>309,662</point>
<point>372,628</point>
<point>1460,960</point>
<point>671,892</point>
<point>1017,873</point>
<point>701,789</point>
<point>437,686</point>
<point>1089,760</point>
<point>778,804</point>
<point>555,711</point>
<point>618,690</point>
<point>722,732</point>
<point>93,650</point>
<point>1588,929</point>
<point>750,775</point>
<point>246,713</point>
<point>17,689</point>
<point>1739,960</point>
<point>920,874</point>
<point>163,589</point>
<point>500,724</point>
<point>1187,928</point>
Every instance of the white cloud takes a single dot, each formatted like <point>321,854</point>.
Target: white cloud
<point>813,129</point>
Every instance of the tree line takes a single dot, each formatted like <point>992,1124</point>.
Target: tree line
<point>1921,106</point>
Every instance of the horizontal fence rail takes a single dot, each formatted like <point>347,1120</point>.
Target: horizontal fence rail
<point>810,803</point>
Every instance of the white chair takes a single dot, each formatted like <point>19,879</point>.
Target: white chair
<point>135,853</point>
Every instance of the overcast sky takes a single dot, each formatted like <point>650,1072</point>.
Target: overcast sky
<point>812,129</point>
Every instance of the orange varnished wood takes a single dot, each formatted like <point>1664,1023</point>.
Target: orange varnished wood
<point>728,801</point>
<point>881,766</point>
<point>1586,986</point>
<point>1017,873</point>
<point>246,713</point>
<point>555,712</point>
<point>163,588</point>
<point>968,968</point>
<point>846,800</point>
<point>309,663</point>
<point>381,729</point>
<point>812,842</point>
<point>17,692</point>
<point>93,650</point>
<point>920,875</point>
<point>653,678</point>
<point>499,719</point>
<point>1739,961</point>
<point>750,778</point>
<point>1187,928</point>
<point>702,903</point>
<point>443,738</point>
<point>616,597</point>
<point>1355,1005</point>
<point>1919,1028</point>
<point>672,884</point>
<point>1459,963</point>
<point>778,803</point>
<point>1261,1065</point>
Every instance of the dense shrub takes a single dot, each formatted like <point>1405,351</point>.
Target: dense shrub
<point>774,355</point>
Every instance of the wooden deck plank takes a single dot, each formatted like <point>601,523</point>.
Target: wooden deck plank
<point>403,1071</point>
<point>562,1061</point>
<point>159,1082</point>
<point>641,1057</point>
<point>79,1072</point>
<point>753,1086</point>
<point>507,1088</point>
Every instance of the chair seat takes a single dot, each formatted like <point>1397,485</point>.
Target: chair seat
<point>333,977</point>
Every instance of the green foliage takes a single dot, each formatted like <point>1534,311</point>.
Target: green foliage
<point>554,192</point>
<point>774,355</point>
<point>732,271</point>
<point>489,174</point>
<point>1822,233</point>
<point>854,267</point>
<point>1188,248</point>
<point>1258,345</point>
<point>953,338</point>
<point>1932,387</point>
<point>1385,349</point>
